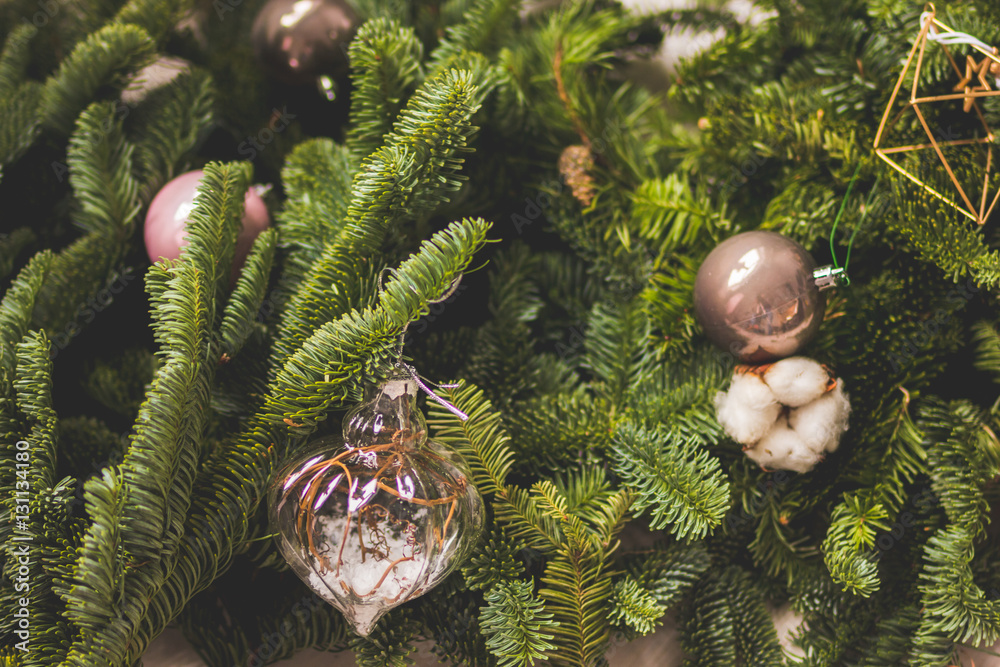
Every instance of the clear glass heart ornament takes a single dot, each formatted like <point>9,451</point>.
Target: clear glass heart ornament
<point>380,516</point>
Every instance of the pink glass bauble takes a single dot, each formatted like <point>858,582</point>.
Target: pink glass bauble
<point>166,220</point>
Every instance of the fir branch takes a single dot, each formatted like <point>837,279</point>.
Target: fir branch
<point>674,477</point>
<point>515,622</point>
<point>617,350</point>
<point>156,17</point>
<point>495,561</point>
<point>159,469</point>
<point>891,647</point>
<point>389,645</point>
<point>964,457</point>
<point>317,177</point>
<point>100,172</point>
<point>106,57</point>
<point>933,648</point>
<point>487,25</point>
<point>94,598</point>
<point>850,539</point>
<point>577,577</point>
<point>240,313</point>
<point>15,58</point>
<point>170,124</point>
<point>214,225</point>
<point>11,246</point>
<point>77,25</point>
<point>669,296</point>
<point>855,570</point>
<point>848,546</point>
<point>987,341</point>
<point>670,572</point>
<point>666,216</point>
<point>408,177</point>
<point>635,607</point>
<point>22,122</point>
<point>560,431</point>
<point>15,315</point>
<point>404,298</point>
<point>33,390</point>
<point>708,632</point>
<point>386,67</point>
<point>954,605</point>
<point>165,437</point>
<point>756,637</point>
<point>15,312</point>
<point>577,593</point>
<point>100,160</point>
<point>452,618</point>
<point>680,395</point>
<point>939,234</point>
<point>524,520</point>
<point>30,548</point>
<point>435,129</point>
<point>481,439</point>
<point>119,384</point>
<point>502,359</point>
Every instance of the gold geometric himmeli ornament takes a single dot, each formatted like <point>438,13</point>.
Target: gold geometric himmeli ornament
<point>976,79</point>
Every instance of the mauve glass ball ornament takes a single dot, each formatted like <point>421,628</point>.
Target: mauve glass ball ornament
<point>757,298</point>
<point>166,220</point>
<point>380,516</point>
<point>301,41</point>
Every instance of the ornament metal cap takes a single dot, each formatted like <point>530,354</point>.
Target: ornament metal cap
<point>830,276</point>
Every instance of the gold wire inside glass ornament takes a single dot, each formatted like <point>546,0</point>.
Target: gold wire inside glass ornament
<point>380,516</point>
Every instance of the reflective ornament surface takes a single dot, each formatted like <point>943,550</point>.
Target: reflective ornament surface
<point>756,297</point>
<point>299,41</point>
<point>166,220</point>
<point>379,517</point>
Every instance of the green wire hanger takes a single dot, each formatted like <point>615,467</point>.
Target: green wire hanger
<point>837,275</point>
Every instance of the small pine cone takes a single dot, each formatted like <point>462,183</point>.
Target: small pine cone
<point>575,165</point>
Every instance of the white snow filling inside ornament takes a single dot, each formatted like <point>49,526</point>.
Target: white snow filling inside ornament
<point>373,579</point>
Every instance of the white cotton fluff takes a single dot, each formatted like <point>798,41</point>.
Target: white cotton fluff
<point>748,410</point>
<point>796,381</point>
<point>782,449</point>
<point>779,428</point>
<point>823,421</point>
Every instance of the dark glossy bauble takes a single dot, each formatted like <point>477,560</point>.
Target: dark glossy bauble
<point>298,41</point>
<point>756,297</point>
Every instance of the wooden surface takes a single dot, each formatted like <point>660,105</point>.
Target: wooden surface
<point>659,649</point>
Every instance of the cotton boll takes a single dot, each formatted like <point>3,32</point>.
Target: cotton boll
<point>783,449</point>
<point>748,410</point>
<point>821,423</point>
<point>796,381</point>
